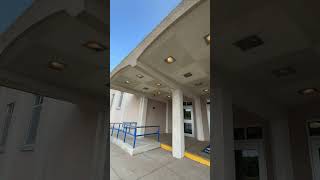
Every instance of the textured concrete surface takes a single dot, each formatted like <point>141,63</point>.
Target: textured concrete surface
<point>154,165</point>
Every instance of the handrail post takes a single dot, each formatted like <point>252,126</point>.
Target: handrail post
<point>112,129</point>
<point>118,131</point>
<point>125,133</point>
<point>135,137</point>
<point>158,134</point>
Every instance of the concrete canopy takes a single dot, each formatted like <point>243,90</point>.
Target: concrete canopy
<point>56,31</point>
<point>180,35</point>
<point>290,32</point>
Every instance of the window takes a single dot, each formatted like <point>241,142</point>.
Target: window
<point>111,100</point>
<point>120,100</point>
<point>6,123</point>
<point>34,122</point>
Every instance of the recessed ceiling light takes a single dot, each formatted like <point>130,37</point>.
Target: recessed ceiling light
<point>187,75</point>
<point>139,75</point>
<point>249,42</point>
<point>169,96</point>
<point>127,82</point>
<point>205,90</point>
<point>158,92</point>
<point>170,60</point>
<point>94,46</point>
<point>56,65</point>
<point>158,84</point>
<point>207,39</point>
<point>309,91</point>
<point>285,71</point>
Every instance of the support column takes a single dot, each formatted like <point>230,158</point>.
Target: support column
<point>199,123</point>
<point>178,145</point>
<point>223,142</point>
<point>167,117</point>
<point>142,117</point>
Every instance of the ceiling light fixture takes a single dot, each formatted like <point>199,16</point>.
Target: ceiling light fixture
<point>127,82</point>
<point>139,75</point>
<point>145,88</point>
<point>169,96</point>
<point>249,42</point>
<point>198,84</point>
<point>58,66</point>
<point>158,84</point>
<point>187,75</point>
<point>207,39</point>
<point>205,90</point>
<point>309,92</point>
<point>94,46</point>
<point>158,92</point>
<point>170,60</point>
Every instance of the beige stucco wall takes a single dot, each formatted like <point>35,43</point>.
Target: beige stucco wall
<point>65,142</point>
<point>156,114</point>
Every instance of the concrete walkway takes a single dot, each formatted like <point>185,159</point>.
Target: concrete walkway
<point>156,164</point>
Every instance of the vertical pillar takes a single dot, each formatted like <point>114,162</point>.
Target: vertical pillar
<point>167,117</point>
<point>199,123</point>
<point>142,117</point>
<point>223,142</point>
<point>178,145</point>
<point>281,152</point>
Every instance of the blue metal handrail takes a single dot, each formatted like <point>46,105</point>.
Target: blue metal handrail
<point>135,135</point>
<point>126,127</point>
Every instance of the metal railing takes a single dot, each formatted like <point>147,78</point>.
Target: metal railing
<point>127,127</point>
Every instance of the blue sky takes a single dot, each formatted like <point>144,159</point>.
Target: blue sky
<point>131,21</point>
<point>10,10</point>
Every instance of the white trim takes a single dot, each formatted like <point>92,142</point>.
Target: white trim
<point>167,117</point>
<point>312,141</point>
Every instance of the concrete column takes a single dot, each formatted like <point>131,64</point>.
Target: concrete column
<point>142,117</point>
<point>281,152</point>
<point>178,145</point>
<point>167,117</point>
<point>223,142</point>
<point>199,123</point>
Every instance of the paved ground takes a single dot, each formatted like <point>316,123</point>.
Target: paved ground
<point>157,164</point>
<point>191,144</point>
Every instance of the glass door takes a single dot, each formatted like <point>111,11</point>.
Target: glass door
<point>250,162</point>
<point>188,120</point>
<point>315,151</point>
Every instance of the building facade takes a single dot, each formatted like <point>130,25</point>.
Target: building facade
<point>45,138</point>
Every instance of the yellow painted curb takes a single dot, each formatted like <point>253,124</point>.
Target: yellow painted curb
<point>188,155</point>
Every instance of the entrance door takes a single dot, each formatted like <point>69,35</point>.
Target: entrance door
<point>315,152</point>
<point>250,161</point>
<point>188,120</point>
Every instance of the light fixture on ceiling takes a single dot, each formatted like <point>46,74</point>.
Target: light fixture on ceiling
<point>189,74</point>
<point>205,90</point>
<point>93,45</point>
<point>158,92</point>
<point>249,42</point>
<point>145,88</point>
<point>283,72</point>
<point>58,66</point>
<point>127,82</point>
<point>169,96</point>
<point>158,84</point>
<point>198,84</point>
<point>207,39</point>
<point>309,92</point>
<point>170,60</point>
<point>139,75</point>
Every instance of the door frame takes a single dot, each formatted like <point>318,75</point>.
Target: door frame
<point>312,141</point>
<point>255,145</point>
<point>189,121</point>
